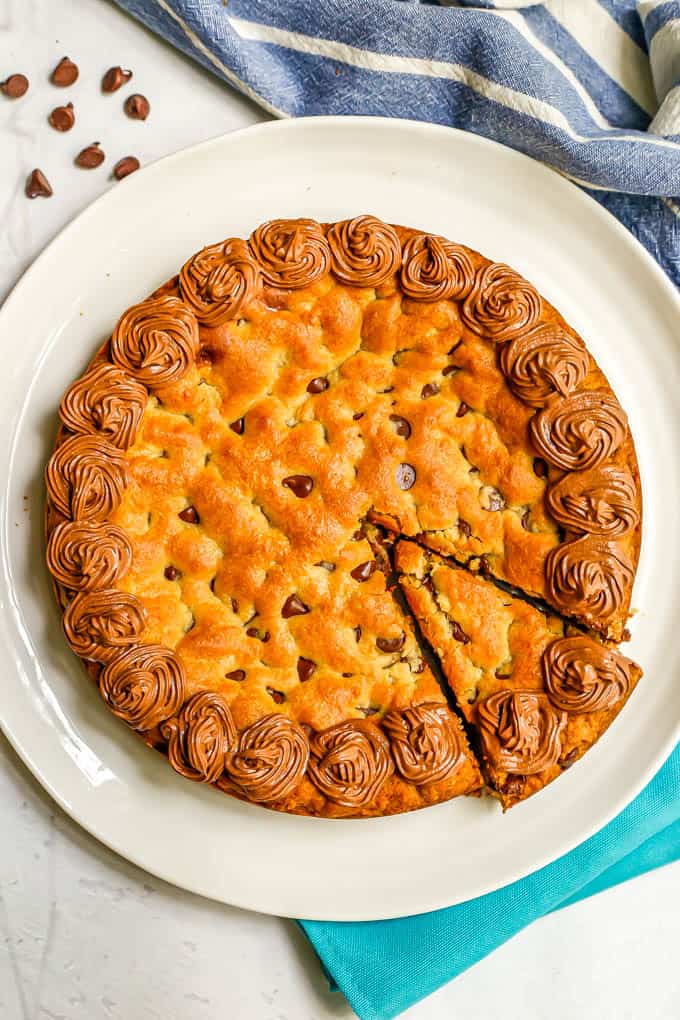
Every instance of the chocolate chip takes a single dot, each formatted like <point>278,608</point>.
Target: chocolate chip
<point>125,166</point>
<point>37,185</point>
<point>305,668</point>
<point>62,118</point>
<point>238,426</point>
<point>114,78</point>
<point>137,106</point>
<point>540,467</point>
<point>327,565</point>
<point>428,585</point>
<point>406,476</point>
<point>391,644</point>
<point>502,676</point>
<point>359,534</point>
<point>262,635</point>
<point>91,157</point>
<point>514,786</point>
<point>491,499</point>
<point>450,369</point>
<point>429,390</point>
<point>358,415</point>
<point>65,73</point>
<point>525,520</point>
<point>293,606</point>
<point>236,674</point>
<point>462,409</point>
<point>401,426</point>
<point>458,633</point>
<point>473,697</point>
<point>278,696</point>
<point>15,86</point>
<point>363,571</point>
<point>368,711</point>
<point>464,527</point>
<point>189,515</point>
<point>206,355</point>
<point>299,485</point>
<point>357,633</point>
<point>484,566</point>
<point>234,605</point>
<point>318,385</point>
<point>626,634</point>
<point>172,573</point>
<point>569,758</point>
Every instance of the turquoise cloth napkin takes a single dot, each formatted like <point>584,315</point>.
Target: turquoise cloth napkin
<point>426,951</point>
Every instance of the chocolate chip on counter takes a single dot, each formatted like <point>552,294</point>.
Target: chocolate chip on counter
<point>490,499</point>
<point>464,527</point>
<point>363,571</point>
<point>458,633</point>
<point>406,476</point>
<point>238,426</point>
<point>236,674</point>
<point>62,118</point>
<point>37,185</point>
<point>15,86</point>
<point>299,485</point>
<point>65,73</point>
<point>262,635</point>
<point>125,166</point>
<point>391,644</point>
<point>429,390</point>
<point>327,565</point>
<point>91,157</point>
<point>305,668</point>
<point>401,426</point>
<point>462,409</point>
<point>137,106</point>
<point>540,467</point>
<point>278,696</point>
<point>293,606</point>
<point>189,515</point>
<point>172,573</point>
<point>318,385</point>
<point>114,78</point>
<point>357,633</point>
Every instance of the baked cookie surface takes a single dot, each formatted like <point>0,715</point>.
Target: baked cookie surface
<point>229,460</point>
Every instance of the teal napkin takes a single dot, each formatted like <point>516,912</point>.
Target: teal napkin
<point>383,967</point>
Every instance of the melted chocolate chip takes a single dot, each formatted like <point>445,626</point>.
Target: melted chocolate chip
<point>357,633</point>
<point>15,86</point>
<point>236,674</point>
<point>172,573</point>
<point>137,106</point>
<point>37,185</point>
<point>391,644</point>
<point>125,166</point>
<point>114,78</point>
<point>401,426</point>
<point>91,157</point>
<point>262,635</point>
<point>406,476</point>
<point>299,485</point>
<point>464,527</point>
<point>458,633</point>
<point>363,571</point>
<point>189,515</point>
<point>65,73</point>
<point>318,385</point>
<point>238,426</point>
<point>327,565</point>
<point>540,467</point>
<point>278,696</point>
<point>62,118</point>
<point>293,606</point>
<point>462,409</point>
<point>305,668</point>
<point>429,390</point>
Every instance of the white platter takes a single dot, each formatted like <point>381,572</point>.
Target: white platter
<point>132,239</point>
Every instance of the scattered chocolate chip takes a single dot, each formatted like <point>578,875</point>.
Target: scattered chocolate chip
<point>401,426</point>
<point>278,696</point>
<point>514,786</point>
<point>318,385</point>
<point>450,369</point>
<point>125,166</point>
<point>391,644</point>
<point>15,86</point>
<point>137,106</point>
<point>569,758</point>
<point>65,73</point>
<point>462,409</point>
<point>368,711</point>
<point>91,157</point>
<point>540,467</point>
<point>305,668</point>
<point>172,573</point>
<point>358,416</point>
<point>490,499</point>
<point>234,605</point>
<point>293,606</point>
<point>299,485</point>
<point>62,118</point>
<point>37,185</point>
<point>363,571</point>
<point>238,426</point>
<point>357,633</point>
<point>114,78</point>
<point>189,515</point>
<point>458,633</point>
<point>236,674</point>
<point>464,527</point>
<point>429,390</point>
<point>525,520</point>
<point>327,565</point>
<point>406,476</point>
<point>262,635</point>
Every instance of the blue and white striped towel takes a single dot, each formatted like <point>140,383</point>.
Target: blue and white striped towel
<point>590,87</point>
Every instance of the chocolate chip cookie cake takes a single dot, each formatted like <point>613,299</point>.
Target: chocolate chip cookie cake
<point>315,473</point>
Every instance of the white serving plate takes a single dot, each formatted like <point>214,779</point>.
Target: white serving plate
<point>131,240</point>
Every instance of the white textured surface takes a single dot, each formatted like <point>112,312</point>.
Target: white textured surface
<point>83,935</point>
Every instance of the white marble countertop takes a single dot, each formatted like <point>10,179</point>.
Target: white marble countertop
<point>83,934</point>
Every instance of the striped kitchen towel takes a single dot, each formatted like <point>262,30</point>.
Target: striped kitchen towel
<point>589,87</point>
